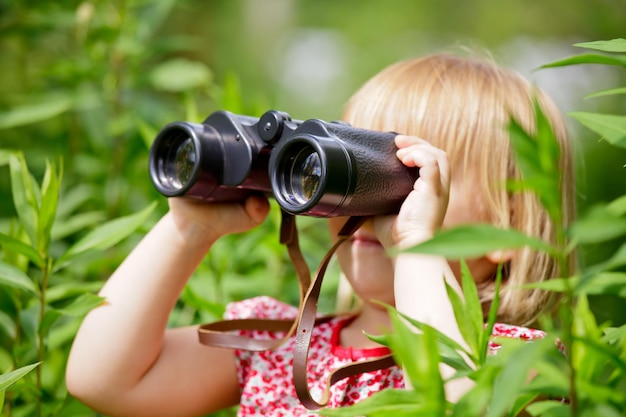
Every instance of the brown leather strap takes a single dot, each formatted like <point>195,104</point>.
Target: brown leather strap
<point>220,334</point>
<point>289,238</point>
<point>304,331</point>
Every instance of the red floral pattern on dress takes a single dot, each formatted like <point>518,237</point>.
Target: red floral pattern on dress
<point>265,378</point>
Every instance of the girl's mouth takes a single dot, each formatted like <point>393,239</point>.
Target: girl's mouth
<point>363,240</point>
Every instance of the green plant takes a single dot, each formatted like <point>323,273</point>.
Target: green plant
<point>9,378</point>
<point>589,378</point>
<point>43,304</point>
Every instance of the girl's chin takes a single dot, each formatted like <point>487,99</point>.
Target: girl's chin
<point>368,253</point>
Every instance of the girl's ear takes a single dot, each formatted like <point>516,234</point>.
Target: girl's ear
<point>500,256</point>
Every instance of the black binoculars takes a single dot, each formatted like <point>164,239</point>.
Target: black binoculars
<point>311,167</point>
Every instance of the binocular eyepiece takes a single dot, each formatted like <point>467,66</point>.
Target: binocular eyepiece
<point>311,167</point>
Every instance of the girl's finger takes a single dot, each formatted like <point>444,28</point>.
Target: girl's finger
<point>422,154</point>
<point>432,162</point>
<point>402,141</point>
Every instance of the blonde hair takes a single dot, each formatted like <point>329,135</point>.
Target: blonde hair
<point>462,105</point>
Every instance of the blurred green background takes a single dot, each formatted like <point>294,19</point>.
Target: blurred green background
<point>89,83</point>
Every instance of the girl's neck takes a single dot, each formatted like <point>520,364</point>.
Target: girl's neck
<point>372,320</point>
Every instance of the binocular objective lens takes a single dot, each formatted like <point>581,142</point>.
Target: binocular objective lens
<point>180,164</point>
<point>305,175</point>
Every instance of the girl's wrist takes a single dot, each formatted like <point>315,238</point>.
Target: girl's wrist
<point>191,235</point>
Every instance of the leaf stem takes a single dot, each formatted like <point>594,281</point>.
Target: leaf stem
<point>41,343</point>
<point>564,249</point>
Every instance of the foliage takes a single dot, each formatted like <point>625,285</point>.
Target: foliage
<point>85,87</point>
<point>42,307</point>
<point>589,377</point>
<point>8,379</point>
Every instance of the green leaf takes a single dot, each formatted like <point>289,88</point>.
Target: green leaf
<point>520,404</point>
<point>588,59</point>
<point>441,337</point>
<point>74,198</point>
<point>613,45</point>
<point>611,127</point>
<point>601,352</point>
<point>466,327</point>
<point>474,402</point>
<point>617,260</point>
<point>231,97</point>
<point>5,156</point>
<point>107,235</point>
<point>584,325</point>
<point>420,360</point>
<point>14,277</point>
<point>388,402</point>
<point>617,207</point>
<point>610,92</point>
<point>49,318</point>
<point>538,159</point>
<point>179,75</point>
<point>599,393</point>
<point>599,224</point>
<point>8,327</point>
<point>473,308</point>
<point>614,335</point>
<point>450,351</point>
<point>491,318</point>
<point>76,223</point>
<point>29,322</point>
<point>614,262</point>
<point>550,380</point>
<point>554,284</point>
<point>471,241</point>
<point>47,211</point>
<point>68,290</point>
<point>381,339</point>
<point>34,113</point>
<point>510,382</point>
<point>13,244</point>
<point>82,305</point>
<point>454,359</point>
<point>604,283</point>
<point>8,379</point>
<point>191,298</point>
<point>549,408</point>
<point>547,144</point>
<point>603,409</point>
<point>24,195</point>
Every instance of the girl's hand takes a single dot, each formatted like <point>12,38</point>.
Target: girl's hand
<point>201,222</point>
<point>423,211</point>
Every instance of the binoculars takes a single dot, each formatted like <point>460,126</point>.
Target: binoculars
<point>311,167</point>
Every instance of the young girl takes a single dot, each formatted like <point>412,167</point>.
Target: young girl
<point>453,113</point>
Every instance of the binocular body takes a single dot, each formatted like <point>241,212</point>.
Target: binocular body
<point>311,167</point>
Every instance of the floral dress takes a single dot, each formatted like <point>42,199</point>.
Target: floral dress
<point>265,378</point>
